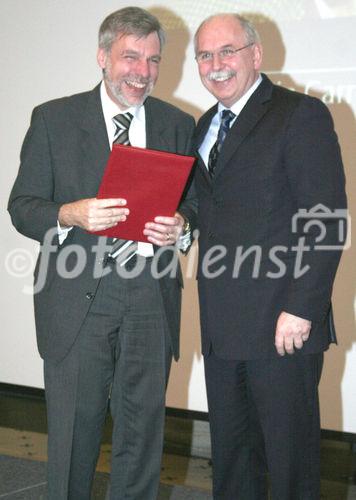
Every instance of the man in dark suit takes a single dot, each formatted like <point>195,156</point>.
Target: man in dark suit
<point>265,154</point>
<point>103,334</point>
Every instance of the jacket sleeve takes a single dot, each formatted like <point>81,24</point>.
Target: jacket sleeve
<point>315,174</point>
<point>31,206</point>
<point>189,204</point>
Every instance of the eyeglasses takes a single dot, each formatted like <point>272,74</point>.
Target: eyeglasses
<point>223,54</point>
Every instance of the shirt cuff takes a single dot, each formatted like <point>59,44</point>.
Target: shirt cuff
<point>145,249</point>
<point>184,241</point>
<point>62,232</point>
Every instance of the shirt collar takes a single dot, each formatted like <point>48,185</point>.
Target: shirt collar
<point>111,109</point>
<point>237,107</point>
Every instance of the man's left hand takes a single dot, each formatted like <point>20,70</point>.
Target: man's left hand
<point>291,332</point>
<point>164,230</point>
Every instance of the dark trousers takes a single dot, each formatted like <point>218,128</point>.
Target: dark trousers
<point>123,353</point>
<point>264,417</point>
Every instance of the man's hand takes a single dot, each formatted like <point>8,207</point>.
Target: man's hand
<point>291,331</point>
<point>164,230</point>
<point>93,214</point>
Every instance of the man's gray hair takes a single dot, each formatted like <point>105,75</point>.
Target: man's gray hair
<point>251,33</point>
<point>129,21</point>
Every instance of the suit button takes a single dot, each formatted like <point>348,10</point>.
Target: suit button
<point>211,235</point>
<point>89,295</point>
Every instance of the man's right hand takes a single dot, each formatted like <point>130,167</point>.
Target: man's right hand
<point>93,214</point>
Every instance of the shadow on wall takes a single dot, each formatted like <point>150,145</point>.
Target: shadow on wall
<point>171,68</point>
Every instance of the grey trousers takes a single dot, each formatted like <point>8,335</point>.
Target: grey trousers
<point>121,357</point>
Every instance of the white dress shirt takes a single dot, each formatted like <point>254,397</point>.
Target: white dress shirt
<point>212,133</point>
<point>137,137</point>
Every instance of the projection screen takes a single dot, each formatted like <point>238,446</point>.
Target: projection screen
<point>49,50</point>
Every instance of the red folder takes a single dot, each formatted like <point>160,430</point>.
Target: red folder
<point>151,181</point>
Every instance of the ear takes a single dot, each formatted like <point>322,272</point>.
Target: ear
<point>257,55</point>
<point>101,58</point>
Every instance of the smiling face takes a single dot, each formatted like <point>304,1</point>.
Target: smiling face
<point>227,78</point>
<point>130,69</point>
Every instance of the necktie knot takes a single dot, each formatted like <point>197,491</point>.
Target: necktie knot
<point>228,115</point>
<point>226,118</point>
<point>122,122</point>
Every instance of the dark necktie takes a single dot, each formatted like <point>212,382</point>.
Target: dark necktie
<point>226,117</point>
<point>126,249</point>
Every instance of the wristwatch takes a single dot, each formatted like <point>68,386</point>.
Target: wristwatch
<point>186,225</point>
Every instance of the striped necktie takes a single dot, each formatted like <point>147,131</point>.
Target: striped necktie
<point>122,122</point>
<point>226,117</point>
<point>123,250</point>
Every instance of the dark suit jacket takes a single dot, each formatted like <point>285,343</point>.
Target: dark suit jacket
<point>281,155</point>
<point>62,160</point>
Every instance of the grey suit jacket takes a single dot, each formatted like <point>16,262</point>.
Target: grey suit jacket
<point>62,160</point>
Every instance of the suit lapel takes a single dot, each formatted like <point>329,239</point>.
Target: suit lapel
<point>95,143</point>
<point>255,108</point>
<point>156,129</point>
<point>253,111</point>
<point>199,136</point>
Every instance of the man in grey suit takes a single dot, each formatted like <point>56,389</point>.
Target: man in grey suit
<point>103,335</point>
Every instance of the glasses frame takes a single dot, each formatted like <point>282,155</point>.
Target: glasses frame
<point>234,51</point>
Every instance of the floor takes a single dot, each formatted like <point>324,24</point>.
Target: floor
<point>23,444</point>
